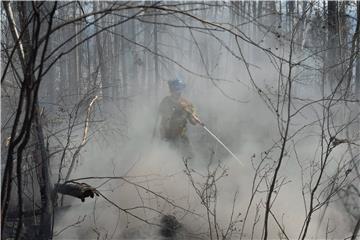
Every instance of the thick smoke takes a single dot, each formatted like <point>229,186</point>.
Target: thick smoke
<point>234,110</point>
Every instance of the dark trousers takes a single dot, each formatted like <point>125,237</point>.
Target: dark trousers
<point>182,145</point>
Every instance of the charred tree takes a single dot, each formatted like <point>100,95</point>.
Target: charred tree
<point>156,57</point>
<point>332,24</point>
<point>31,53</point>
<point>124,58</point>
<point>357,61</point>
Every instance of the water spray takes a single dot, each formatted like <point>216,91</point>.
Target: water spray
<point>222,144</point>
<point>216,138</point>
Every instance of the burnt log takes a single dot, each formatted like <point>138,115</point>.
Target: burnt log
<point>78,190</point>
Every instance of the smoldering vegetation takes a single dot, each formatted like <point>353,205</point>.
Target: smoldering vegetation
<point>277,82</point>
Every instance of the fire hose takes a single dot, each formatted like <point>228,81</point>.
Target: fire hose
<point>216,138</point>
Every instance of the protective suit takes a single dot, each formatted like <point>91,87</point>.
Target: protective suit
<point>175,112</point>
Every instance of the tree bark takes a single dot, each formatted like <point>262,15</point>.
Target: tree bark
<point>101,46</point>
<point>116,66</point>
<point>124,70</point>
<point>156,58</point>
<point>332,40</point>
<point>73,68</point>
<point>44,178</point>
<point>357,74</point>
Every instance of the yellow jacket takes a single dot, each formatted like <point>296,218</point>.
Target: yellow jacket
<point>174,116</point>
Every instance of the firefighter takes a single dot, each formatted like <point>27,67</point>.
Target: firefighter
<point>175,112</point>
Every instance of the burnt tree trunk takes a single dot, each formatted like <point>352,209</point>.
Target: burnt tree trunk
<point>124,53</point>
<point>31,55</point>
<point>156,58</point>
<point>44,178</point>
<point>357,61</point>
<point>332,40</point>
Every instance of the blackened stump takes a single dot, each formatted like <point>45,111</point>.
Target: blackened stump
<point>170,225</point>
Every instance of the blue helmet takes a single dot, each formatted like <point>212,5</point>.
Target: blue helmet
<point>176,85</point>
